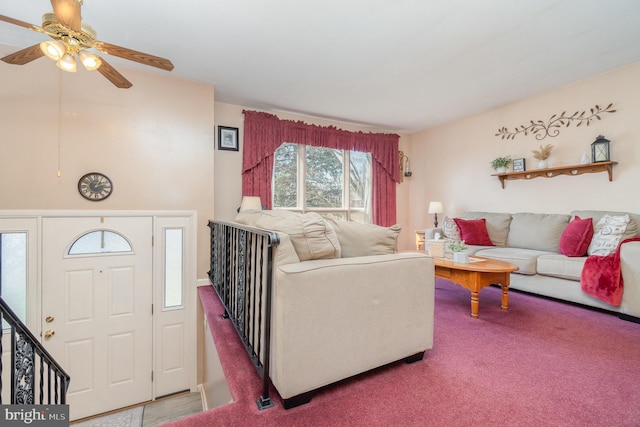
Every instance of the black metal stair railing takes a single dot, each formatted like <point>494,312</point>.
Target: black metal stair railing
<point>49,386</point>
<point>241,274</point>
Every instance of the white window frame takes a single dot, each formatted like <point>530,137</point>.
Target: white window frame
<point>30,226</point>
<point>301,202</point>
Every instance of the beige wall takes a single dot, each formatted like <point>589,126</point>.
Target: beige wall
<point>228,164</point>
<point>155,141</point>
<point>451,162</point>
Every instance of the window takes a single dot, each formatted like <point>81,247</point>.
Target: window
<point>173,267</point>
<point>314,179</point>
<point>13,272</point>
<point>99,242</point>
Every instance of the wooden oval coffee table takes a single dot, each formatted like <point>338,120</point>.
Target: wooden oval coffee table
<point>475,275</point>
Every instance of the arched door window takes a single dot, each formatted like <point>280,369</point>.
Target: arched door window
<point>100,242</point>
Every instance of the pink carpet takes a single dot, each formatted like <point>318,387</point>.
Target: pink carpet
<point>542,363</point>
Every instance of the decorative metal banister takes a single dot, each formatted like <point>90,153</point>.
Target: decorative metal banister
<point>27,356</point>
<point>241,274</point>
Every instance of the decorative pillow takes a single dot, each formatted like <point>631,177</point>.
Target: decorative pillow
<point>607,234</point>
<point>632,227</point>
<point>359,239</point>
<point>474,231</point>
<point>450,229</point>
<point>576,237</point>
<point>312,237</point>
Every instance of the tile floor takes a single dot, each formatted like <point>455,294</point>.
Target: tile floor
<point>171,408</point>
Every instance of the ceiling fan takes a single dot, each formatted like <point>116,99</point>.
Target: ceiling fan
<point>71,36</point>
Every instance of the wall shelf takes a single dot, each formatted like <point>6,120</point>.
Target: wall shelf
<point>561,170</point>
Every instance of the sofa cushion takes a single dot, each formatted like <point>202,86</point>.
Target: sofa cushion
<point>576,237</point>
<point>537,231</point>
<point>525,259</point>
<point>358,239</point>
<point>633,228</point>
<point>312,237</point>
<point>474,231</point>
<point>608,234</point>
<point>561,266</point>
<point>497,225</point>
<point>471,249</point>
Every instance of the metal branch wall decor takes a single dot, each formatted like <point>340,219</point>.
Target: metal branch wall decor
<point>552,127</point>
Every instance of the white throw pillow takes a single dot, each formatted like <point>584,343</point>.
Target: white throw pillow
<point>358,239</point>
<point>607,234</point>
<point>312,237</point>
<point>450,229</point>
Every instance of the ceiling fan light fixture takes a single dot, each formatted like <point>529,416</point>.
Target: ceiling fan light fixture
<point>70,36</point>
<point>67,63</point>
<point>89,60</point>
<point>53,49</point>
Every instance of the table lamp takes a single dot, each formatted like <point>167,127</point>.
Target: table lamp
<point>435,208</point>
<point>250,202</point>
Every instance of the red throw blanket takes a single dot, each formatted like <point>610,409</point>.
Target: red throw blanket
<point>601,277</point>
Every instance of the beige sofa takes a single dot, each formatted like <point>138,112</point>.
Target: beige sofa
<point>344,302</point>
<point>531,241</point>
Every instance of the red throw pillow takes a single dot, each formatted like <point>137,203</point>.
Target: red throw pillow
<point>576,237</point>
<point>474,231</point>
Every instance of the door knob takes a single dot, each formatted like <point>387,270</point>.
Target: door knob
<point>48,334</point>
<point>49,319</point>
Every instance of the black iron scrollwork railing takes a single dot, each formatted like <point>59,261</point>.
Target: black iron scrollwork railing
<point>48,385</point>
<point>241,274</point>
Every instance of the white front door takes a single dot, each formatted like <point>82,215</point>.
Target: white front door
<point>97,308</point>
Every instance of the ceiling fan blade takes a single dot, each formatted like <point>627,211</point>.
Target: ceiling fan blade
<point>132,55</point>
<point>24,56</point>
<point>68,13</point>
<point>21,23</point>
<point>113,75</point>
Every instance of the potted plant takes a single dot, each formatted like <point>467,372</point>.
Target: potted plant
<point>500,164</point>
<point>542,155</point>
<point>459,250</point>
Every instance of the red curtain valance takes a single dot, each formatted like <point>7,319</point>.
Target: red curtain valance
<point>264,133</point>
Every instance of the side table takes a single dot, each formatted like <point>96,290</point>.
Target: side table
<point>420,240</point>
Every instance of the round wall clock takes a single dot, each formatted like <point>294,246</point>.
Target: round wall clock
<point>95,186</point>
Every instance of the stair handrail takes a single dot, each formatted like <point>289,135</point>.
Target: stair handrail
<point>17,326</point>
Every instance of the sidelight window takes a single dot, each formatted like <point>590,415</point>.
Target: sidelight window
<point>13,272</point>
<point>173,267</point>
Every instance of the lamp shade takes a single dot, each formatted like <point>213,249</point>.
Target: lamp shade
<point>435,208</point>
<point>54,49</point>
<point>250,203</point>
<point>89,60</point>
<point>67,63</point>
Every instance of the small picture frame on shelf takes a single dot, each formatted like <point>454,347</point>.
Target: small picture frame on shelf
<point>519,165</point>
<point>227,138</point>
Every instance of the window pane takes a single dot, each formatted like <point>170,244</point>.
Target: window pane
<point>285,176</point>
<point>13,273</point>
<point>323,178</point>
<point>360,186</point>
<point>360,179</point>
<point>173,267</point>
<point>325,188</point>
<point>100,242</point>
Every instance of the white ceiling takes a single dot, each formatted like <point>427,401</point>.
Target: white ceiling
<point>400,65</point>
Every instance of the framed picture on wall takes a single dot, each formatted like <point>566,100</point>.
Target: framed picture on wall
<point>227,138</point>
<point>518,165</point>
